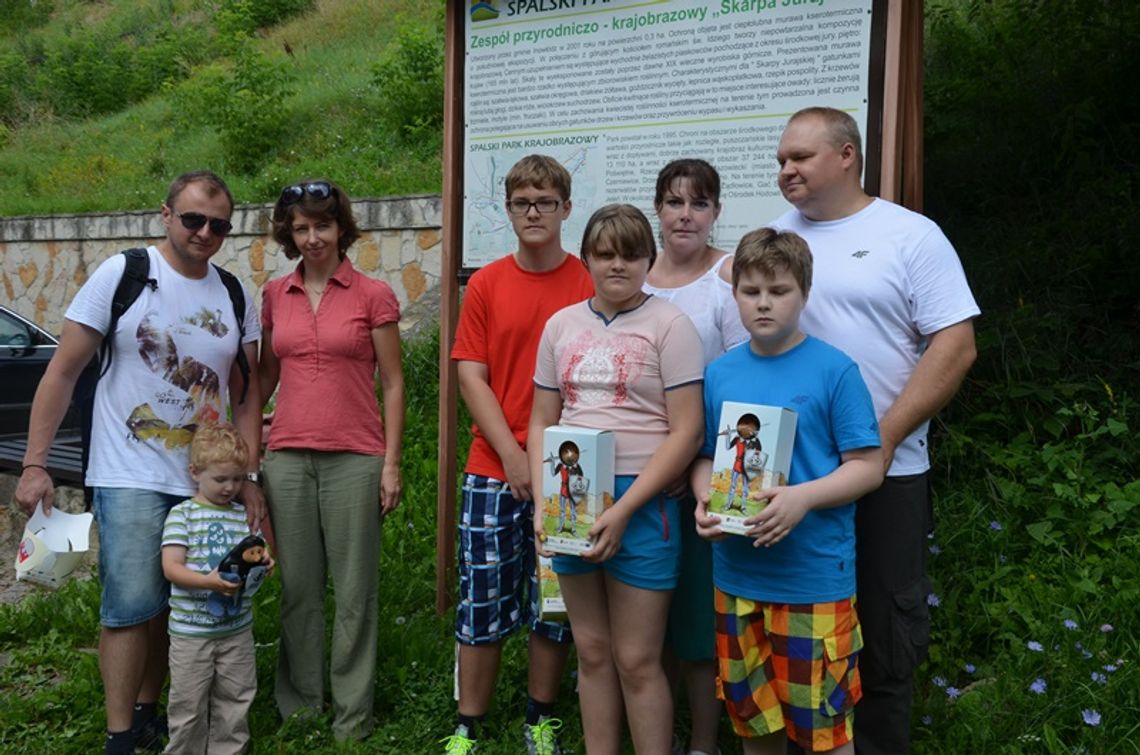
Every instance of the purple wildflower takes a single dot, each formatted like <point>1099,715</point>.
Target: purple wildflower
<point>1090,717</point>
<point>953,693</point>
<point>939,681</point>
<point>1110,667</point>
<point>934,549</point>
<point>1070,625</point>
<point>1099,678</point>
<point>995,526</point>
<point>1106,628</point>
<point>971,668</point>
<point>1035,646</point>
<point>933,600</point>
<point>1038,686</point>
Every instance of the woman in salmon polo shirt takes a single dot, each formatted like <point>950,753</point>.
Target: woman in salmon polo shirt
<point>332,468</point>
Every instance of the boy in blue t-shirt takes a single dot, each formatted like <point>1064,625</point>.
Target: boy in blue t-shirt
<point>787,634</point>
<point>213,670</point>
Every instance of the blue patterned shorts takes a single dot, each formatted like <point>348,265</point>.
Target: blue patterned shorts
<point>498,581</point>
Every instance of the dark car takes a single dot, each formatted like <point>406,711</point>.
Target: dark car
<point>25,350</point>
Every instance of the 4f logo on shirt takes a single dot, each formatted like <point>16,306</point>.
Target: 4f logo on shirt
<point>860,254</point>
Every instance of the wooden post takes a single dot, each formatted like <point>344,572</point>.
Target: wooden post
<point>901,174</point>
<point>892,95</point>
<point>912,110</point>
<point>449,302</point>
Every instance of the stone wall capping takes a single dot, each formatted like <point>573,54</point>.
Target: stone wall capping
<point>44,259</point>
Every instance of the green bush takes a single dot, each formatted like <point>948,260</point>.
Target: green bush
<point>250,15</point>
<point>14,80</point>
<point>20,16</point>
<point>104,69</point>
<point>1035,573</point>
<point>245,103</point>
<point>409,77</point>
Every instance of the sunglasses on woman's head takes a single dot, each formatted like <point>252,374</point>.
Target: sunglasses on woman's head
<point>294,193</point>
<point>193,221</point>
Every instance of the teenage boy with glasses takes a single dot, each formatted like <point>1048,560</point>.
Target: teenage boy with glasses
<point>175,354</point>
<point>496,344</point>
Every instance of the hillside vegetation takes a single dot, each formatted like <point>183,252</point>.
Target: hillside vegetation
<point>101,103</point>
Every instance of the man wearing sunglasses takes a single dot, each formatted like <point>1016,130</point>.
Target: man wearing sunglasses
<point>174,362</point>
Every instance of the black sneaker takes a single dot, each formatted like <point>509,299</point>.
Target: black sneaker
<point>152,736</point>
<point>120,743</point>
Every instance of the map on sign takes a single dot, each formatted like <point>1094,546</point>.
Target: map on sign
<point>615,89</point>
<point>485,216</point>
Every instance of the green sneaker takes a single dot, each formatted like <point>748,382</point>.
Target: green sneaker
<point>458,743</point>
<point>542,738</point>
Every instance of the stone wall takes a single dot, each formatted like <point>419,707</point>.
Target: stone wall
<point>44,260</point>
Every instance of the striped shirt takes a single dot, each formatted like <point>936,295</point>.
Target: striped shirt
<point>208,533</point>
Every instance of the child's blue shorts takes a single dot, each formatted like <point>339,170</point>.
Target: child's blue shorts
<point>650,553</point>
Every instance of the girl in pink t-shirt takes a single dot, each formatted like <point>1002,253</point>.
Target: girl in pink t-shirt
<point>628,362</point>
<point>332,468</point>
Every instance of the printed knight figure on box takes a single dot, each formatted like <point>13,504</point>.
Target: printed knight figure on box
<point>579,486</point>
<point>756,453</point>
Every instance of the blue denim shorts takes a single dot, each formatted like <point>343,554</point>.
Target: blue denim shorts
<point>498,578</point>
<point>130,554</point>
<point>650,553</point>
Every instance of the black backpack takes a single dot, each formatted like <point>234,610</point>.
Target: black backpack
<point>136,277</point>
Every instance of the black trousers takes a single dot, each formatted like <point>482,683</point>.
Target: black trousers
<point>891,546</point>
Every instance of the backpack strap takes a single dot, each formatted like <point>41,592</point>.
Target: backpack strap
<point>135,279</point>
<point>237,299</point>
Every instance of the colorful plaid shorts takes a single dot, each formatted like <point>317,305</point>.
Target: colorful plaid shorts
<point>792,667</point>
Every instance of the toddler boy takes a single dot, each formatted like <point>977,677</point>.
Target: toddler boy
<point>213,675</point>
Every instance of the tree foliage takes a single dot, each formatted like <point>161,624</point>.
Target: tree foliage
<point>1033,159</point>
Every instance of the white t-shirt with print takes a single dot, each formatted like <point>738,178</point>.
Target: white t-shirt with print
<point>884,279</point>
<point>170,368</point>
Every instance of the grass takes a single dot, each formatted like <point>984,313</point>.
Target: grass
<point>126,160</point>
<point>1002,579</point>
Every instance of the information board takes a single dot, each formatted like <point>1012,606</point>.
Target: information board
<point>614,89</point>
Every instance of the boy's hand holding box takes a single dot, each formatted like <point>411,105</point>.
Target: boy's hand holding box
<point>577,485</point>
<point>753,452</point>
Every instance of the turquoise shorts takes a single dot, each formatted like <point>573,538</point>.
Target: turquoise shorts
<point>650,553</point>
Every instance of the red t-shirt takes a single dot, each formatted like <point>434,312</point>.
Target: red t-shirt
<point>504,310</point>
<point>327,398</point>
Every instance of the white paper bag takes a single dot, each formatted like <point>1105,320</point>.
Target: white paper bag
<point>52,546</point>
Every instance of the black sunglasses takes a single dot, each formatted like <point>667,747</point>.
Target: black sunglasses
<point>293,194</point>
<point>193,221</point>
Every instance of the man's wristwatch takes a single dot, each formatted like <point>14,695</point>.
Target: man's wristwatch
<point>254,477</point>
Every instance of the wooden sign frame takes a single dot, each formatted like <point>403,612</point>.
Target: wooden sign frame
<point>893,149</point>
